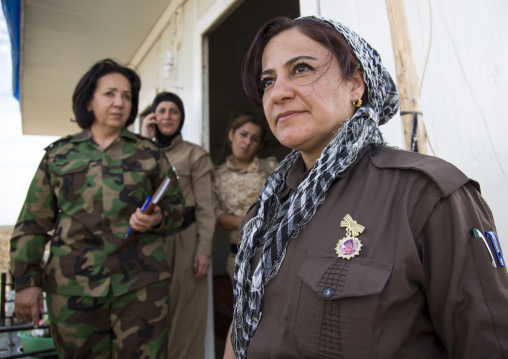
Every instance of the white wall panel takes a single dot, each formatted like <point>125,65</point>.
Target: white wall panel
<point>464,86</point>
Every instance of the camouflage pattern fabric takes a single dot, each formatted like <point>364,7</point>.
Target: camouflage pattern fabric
<point>237,189</point>
<point>133,325</point>
<point>87,195</point>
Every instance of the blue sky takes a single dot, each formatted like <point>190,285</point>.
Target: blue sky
<point>19,154</point>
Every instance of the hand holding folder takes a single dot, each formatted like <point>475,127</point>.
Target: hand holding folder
<point>151,201</point>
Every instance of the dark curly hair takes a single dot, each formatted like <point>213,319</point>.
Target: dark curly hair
<point>83,93</point>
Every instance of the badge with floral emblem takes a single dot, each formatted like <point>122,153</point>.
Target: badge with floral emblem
<point>349,246</point>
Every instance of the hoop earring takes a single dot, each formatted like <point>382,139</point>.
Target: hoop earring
<point>357,103</point>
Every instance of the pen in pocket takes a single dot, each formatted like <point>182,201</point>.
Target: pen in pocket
<point>477,233</point>
<point>497,248</point>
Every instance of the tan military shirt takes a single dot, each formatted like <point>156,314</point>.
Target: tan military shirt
<point>421,285</point>
<point>189,295</point>
<point>195,169</point>
<point>237,189</point>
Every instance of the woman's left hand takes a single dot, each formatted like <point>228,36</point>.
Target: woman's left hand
<point>201,265</point>
<point>142,222</point>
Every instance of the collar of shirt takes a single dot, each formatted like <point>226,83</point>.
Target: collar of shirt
<point>86,135</point>
<point>297,174</point>
<point>254,166</point>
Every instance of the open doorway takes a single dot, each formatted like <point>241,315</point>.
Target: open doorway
<point>228,43</point>
<point>227,46</point>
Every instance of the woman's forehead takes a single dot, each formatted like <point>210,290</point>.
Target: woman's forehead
<point>251,128</point>
<point>289,44</point>
<point>167,104</point>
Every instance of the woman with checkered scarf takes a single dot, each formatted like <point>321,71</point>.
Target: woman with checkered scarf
<point>416,283</point>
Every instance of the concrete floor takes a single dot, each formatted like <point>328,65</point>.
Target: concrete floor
<point>10,347</point>
<point>9,344</point>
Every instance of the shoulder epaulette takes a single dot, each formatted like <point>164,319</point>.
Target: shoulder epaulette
<point>139,137</point>
<point>61,139</point>
<point>446,176</point>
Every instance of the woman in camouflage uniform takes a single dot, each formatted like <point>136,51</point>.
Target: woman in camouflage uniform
<point>239,180</point>
<point>107,293</point>
<point>189,250</point>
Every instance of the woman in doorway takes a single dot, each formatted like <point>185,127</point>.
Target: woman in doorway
<point>239,180</point>
<point>189,250</point>
<point>419,283</point>
<point>107,293</point>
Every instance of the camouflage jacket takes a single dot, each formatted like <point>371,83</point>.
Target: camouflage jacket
<point>237,189</point>
<point>87,195</point>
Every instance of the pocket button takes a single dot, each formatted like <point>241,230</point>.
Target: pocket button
<point>327,292</point>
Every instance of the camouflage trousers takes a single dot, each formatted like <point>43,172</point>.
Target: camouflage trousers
<point>133,325</point>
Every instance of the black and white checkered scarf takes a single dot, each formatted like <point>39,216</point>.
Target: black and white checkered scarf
<point>277,222</point>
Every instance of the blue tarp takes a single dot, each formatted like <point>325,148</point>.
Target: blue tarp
<point>12,13</point>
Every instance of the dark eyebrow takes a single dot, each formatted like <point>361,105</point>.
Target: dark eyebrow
<point>114,88</point>
<point>289,63</point>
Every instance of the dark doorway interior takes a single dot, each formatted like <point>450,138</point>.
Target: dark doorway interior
<point>227,44</point>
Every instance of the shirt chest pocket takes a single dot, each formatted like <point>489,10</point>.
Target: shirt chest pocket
<point>338,297</point>
<point>71,179</point>
<point>139,181</point>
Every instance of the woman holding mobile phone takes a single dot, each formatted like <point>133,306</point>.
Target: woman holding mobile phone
<point>189,250</point>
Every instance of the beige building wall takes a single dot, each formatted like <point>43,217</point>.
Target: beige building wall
<point>174,59</point>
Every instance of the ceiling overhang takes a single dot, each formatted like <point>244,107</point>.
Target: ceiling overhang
<point>61,39</point>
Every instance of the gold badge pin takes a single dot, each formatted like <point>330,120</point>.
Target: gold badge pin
<point>349,246</point>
